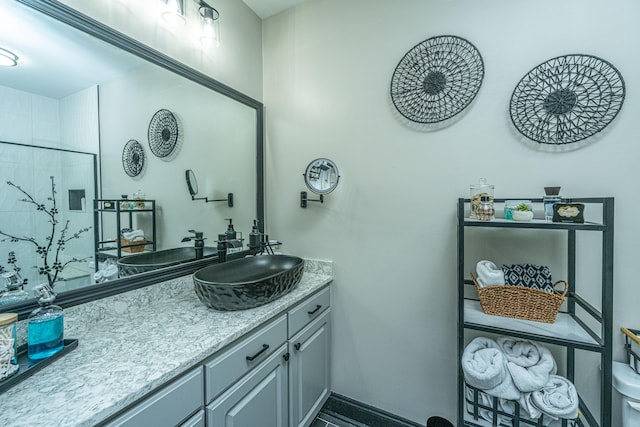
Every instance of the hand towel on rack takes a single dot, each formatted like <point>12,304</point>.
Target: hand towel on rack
<point>489,274</point>
<point>483,364</point>
<point>557,399</point>
<point>530,364</point>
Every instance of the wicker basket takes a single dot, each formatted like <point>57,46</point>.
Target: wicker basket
<point>124,244</point>
<point>521,302</point>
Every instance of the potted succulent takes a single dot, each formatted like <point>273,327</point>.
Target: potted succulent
<point>522,212</point>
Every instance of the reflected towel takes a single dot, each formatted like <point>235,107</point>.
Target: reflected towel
<point>489,274</point>
<point>133,235</point>
<point>557,399</point>
<point>530,364</point>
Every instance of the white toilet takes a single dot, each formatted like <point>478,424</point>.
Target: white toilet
<point>627,382</point>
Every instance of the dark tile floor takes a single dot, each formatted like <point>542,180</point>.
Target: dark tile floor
<point>327,420</point>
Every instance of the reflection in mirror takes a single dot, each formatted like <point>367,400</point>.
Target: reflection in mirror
<point>45,224</point>
<point>97,99</point>
<point>321,176</point>
<point>192,183</point>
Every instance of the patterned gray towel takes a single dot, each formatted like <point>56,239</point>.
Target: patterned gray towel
<point>528,275</point>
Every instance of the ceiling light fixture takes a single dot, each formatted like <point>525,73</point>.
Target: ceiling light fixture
<point>210,25</point>
<point>8,58</point>
<point>173,12</point>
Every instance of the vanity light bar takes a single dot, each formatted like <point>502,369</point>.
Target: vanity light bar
<point>8,58</point>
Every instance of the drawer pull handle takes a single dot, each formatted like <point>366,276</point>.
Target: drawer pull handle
<point>286,357</point>
<point>264,348</point>
<point>297,346</point>
<point>315,310</point>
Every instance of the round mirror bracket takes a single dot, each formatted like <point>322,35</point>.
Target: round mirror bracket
<point>192,184</point>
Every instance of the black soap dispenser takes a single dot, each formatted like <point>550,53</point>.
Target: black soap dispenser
<point>255,237</point>
<point>231,232</point>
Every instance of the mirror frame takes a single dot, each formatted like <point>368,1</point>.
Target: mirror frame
<point>84,23</point>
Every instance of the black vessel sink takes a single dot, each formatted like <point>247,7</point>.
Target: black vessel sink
<point>248,282</point>
<point>148,261</point>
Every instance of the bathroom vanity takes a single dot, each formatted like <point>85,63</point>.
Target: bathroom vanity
<point>158,356</point>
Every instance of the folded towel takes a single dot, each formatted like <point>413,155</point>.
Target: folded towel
<point>133,235</point>
<point>557,399</point>
<point>530,364</point>
<point>483,364</point>
<point>527,409</point>
<point>528,275</point>
<point>489,274</point>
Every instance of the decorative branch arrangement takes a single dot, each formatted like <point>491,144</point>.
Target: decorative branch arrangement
<point>51,248</point>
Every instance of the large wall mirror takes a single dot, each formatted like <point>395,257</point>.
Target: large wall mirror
<point>80,93</point>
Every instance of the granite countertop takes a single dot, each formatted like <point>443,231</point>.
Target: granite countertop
<point>130,344</point>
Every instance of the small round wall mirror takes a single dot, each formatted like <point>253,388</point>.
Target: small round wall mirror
<point>321,176</point>
<point>192,183</point>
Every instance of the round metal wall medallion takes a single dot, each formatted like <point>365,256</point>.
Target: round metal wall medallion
<point>567,99</point>
<point>437,79</point>
<point>133,158</point>
<point>163,133</point>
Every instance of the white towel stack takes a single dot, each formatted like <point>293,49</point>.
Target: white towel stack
<point>522,371</point>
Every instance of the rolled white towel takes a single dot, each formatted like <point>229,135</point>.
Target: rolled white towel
<point>134,235</point>
<point>483,364</point>
<point>530,364</point>
<point>557,399</point>
<point>489,274</point>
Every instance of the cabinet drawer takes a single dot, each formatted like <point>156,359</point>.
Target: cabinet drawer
<point>168,406</point>
<point>308,310</point>
<point>196,421</point>
<point>231,364</point>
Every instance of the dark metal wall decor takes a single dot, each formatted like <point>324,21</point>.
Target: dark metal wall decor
<point>567,99</point>
<point>437,79</point>
<point>163,133</point>
<point>133,158</point>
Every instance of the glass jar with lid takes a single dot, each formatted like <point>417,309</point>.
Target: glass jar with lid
<point>477,191</point>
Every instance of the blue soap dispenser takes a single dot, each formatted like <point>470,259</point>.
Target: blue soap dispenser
<point>45,326</point>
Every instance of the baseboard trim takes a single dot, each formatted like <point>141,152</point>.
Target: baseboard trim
<point>363,413</point>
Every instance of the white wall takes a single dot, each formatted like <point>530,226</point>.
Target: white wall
<point>390,225</point>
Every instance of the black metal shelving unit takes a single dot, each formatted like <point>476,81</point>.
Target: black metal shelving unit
<point>113,247</point>
<point>576,316</point>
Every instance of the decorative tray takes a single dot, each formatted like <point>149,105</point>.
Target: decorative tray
<point>29,367</point>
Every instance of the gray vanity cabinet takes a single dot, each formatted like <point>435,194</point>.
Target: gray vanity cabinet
<point>173,405</point>
<point>309,370</point>
<point>275,376</point>
<point>258,399</point>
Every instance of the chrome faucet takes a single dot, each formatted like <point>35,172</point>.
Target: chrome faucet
<point>198,239</point>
